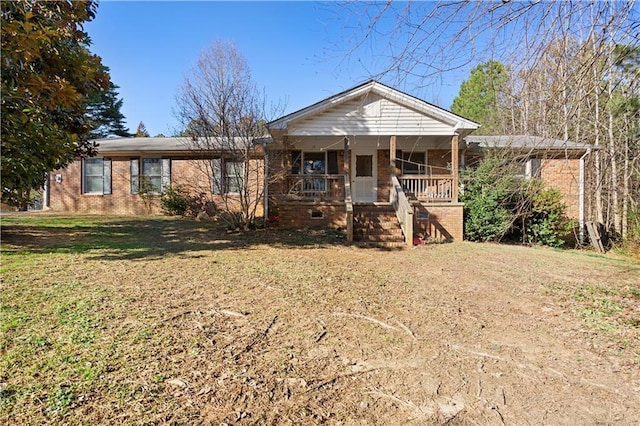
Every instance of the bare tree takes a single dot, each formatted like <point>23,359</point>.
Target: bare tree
<point>565,60</point>
<point>223,114</point>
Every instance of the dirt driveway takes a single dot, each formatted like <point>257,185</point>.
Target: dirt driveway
<point>261,332</point>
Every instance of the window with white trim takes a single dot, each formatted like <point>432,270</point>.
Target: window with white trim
<point>96,176</point>
<point>529,168</point>
<point>324,162</point>
<point>150,175</point>
<point>233,176</point>
<point>228,176</point>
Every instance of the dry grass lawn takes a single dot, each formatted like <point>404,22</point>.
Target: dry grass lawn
<point>171,321</point>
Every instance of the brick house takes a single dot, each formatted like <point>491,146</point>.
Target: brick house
<point>375,162</point>
<point>128,174</point>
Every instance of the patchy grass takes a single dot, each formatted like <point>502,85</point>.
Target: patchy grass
<point>163,320</point>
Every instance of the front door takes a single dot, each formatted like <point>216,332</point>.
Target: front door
<point>364,167</point>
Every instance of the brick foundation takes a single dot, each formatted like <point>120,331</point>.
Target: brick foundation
<point>298,214</point>
<point>439,221</point>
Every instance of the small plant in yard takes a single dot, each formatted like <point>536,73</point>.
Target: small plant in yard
<point>180,201</point>
<point>175,200</point>
<point>546,223</point>
<point>487,193</point>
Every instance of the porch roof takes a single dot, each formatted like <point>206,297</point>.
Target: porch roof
<point>524,142</point>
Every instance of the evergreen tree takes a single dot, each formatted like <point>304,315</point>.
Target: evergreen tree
<point>103,112</point>
<point>142,131</point>
<point>479,96</point>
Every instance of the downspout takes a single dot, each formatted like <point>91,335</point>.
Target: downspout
<point>581,196</point>
<point>266,182</point>
<point>45,193</point>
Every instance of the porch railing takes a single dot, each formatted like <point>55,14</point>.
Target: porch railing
<point>326,187</point>
<point>403,209</point>
<point>428,188</point>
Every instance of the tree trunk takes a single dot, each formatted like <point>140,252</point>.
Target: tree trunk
<point>596,142</point>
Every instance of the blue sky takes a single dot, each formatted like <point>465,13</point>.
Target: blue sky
<point>297,52</point>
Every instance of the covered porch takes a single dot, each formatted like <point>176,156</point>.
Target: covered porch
<point>370,145</point>
<point>415,175</point>
<point>426,169</point>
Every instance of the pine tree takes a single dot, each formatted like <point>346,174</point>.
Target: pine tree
<point>103,112</point>
<point>478,99</point>
<point>142,131</point>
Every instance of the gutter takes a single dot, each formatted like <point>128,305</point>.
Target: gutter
<point>581,196</point>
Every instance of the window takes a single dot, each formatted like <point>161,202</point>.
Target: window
<point>332,162</point>
<point>364,165</point>
<point>234,176</point>
<point>315,163</point>
<point>529,168</point>
<point>155,176</point>
<point>411,163</point>
<point>96,176</point>
<point>533,168</point>
<point>228,176</point>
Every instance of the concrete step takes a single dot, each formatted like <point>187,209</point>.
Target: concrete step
<point>390,228</point>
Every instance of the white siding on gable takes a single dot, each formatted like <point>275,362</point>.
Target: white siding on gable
<point>372,115</point>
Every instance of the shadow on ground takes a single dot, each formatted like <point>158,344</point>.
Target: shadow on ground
<point>120,239</point>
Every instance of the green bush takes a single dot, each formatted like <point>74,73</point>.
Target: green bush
<point>179,201</point>
<point>175,200</point>
<point>487,197</point>
<point>546,223</point>
<point>500,205</point>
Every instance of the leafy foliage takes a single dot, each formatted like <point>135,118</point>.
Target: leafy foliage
<point>501,205</point>
<point>177,200</point>
<point>48,74</point>
<point>479,95</point>
<point>487,216</point>
<point>546,223</point>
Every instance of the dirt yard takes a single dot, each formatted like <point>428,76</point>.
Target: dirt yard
<point>170,321</point>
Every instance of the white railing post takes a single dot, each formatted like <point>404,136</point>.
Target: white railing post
<point>403,209</point>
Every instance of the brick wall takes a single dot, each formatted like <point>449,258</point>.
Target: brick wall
<point>563,174</point>
<point>439,159</point>
<point>384,173</point>
<point>66,195</point>
<point>439,221</point>
<point>298,214</point>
